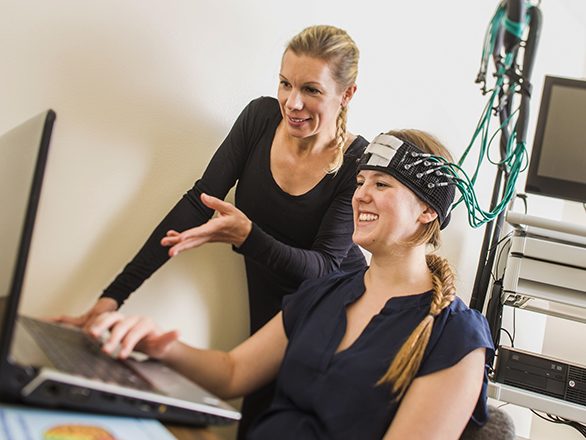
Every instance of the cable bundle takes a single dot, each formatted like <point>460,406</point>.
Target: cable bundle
<point>560,420</point>
<point>510,82</point>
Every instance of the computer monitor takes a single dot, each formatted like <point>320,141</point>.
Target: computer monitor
<point>558,159</point>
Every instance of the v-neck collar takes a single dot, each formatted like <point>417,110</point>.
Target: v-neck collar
<point>358,288</point>
<point>355,290</point>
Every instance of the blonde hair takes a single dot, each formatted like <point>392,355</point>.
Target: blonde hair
<point>408,359</point>
<point>334,46</point>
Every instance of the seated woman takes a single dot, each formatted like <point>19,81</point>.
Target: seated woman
<point>387,352</point>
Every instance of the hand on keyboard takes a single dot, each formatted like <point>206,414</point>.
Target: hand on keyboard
<point>133,332</point>
<point>86,320</point>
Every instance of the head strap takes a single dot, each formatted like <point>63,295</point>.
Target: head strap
<point>421,172</point>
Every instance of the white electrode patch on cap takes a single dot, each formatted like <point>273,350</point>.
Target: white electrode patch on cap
<point>382,149</point>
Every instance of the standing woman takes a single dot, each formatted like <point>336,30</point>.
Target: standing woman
<point>295,164</point>
<point>388,352</point>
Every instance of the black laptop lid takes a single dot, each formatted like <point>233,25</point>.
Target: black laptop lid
<point>23,155</point>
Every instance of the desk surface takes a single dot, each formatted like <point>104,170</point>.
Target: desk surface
<point>181,432</point>
<point>185,433</point>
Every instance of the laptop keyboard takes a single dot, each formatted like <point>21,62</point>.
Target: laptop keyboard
<point>74,352</point>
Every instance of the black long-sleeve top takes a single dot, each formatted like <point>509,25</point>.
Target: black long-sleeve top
<point>293,238</point>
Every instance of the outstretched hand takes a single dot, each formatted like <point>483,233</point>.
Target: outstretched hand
<point>230,226</point>
<point>86,320</point>
<point>132,332</point>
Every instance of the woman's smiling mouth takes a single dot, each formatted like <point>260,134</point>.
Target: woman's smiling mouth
<point>367,217</point>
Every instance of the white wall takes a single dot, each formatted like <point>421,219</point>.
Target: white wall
<point>145,91</point>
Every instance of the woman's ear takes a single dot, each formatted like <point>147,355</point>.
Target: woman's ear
<point>428,215</point>
<point>348,94</point>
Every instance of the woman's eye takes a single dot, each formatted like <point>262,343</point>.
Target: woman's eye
<point>313,91</point>
<point>381,184</point>
<point>359,183</point>
<point>285,84</point>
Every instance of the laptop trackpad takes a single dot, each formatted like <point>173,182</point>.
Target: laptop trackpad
<point>172,383</point>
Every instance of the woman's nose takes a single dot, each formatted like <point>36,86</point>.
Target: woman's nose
<point>294,101</point>
<point>362,193</point>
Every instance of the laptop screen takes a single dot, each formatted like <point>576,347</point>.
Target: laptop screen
<point>23,156</point>
<point>23,153</point>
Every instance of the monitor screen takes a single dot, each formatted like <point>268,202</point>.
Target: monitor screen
<point>558,159</point>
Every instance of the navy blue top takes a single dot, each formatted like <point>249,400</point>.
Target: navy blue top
<point>322,395</point>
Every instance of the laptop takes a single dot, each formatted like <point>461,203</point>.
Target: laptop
<point>51,371</point>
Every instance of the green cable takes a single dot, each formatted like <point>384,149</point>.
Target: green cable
<point>515,28</point>
<point>516,157</point>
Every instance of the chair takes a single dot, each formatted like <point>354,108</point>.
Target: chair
<point>499,426</point>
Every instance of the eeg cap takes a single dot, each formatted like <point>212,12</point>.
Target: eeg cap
<point>419,171</point>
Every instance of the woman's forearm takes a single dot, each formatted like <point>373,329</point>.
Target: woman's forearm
<point>246,368</point>
<point>211,369</point>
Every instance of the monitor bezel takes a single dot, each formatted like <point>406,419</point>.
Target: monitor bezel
<point>547,186</point>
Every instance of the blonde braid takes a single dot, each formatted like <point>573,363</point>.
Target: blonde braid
<point>408,360</point>
<point>341,138</point>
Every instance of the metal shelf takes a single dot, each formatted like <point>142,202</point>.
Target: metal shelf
<point>546,276</point>
<point>545,272</point>
<point>537,402</point>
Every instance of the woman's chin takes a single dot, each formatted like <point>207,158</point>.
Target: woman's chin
<point>362,240</point>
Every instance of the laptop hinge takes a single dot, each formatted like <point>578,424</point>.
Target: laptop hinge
<point>14,378</point>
